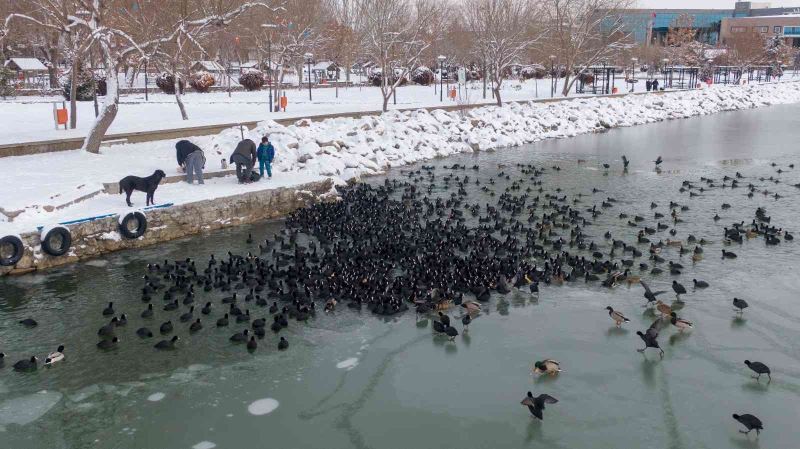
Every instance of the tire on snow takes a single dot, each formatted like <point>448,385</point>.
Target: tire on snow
<point>17,250</point>
<point>49,242</point>
<point>125,230</point>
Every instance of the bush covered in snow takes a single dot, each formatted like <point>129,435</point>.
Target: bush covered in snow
<point>166,82</point>
<point>533,71</point>
<point>422,76</point>
<point>376,78</point>
<point>252,79</point>
<point>202,81</point>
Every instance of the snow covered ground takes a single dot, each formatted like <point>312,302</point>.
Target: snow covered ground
<point>32,117</point>
<point>343,148</point>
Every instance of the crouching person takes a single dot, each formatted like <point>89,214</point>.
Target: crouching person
<point>244,156</point>
<point>191,159</point>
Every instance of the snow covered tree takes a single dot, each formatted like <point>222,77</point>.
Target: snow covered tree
<point>394,34</point>
<point>778,54</point>
<point>681,46</point>
<point>503,32</point>
<point>103,22</point>
<point>746,50</point>
<point>584,32</point>
<point>53,20</point>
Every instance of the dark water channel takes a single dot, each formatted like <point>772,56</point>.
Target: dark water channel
<point>354,380</point>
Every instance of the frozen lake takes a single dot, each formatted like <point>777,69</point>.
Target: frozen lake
<point>356,380</point>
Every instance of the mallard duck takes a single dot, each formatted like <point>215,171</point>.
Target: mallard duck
<point>548,366</point>
<point>680,323</point>
<point>55,357</point>
<point>618,317</point>
<point>472,307</point>
<point>664,309</point>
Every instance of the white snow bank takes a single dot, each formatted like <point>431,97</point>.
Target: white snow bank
<point>346,148</point>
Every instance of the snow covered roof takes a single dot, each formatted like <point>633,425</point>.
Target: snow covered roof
<point>777,16</point>
<point>323,65</point>
<point>210,66</point>
<point>26,64</point>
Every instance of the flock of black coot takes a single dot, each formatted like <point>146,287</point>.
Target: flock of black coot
<point>422,243</point>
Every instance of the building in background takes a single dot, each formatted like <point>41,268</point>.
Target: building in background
<point>650,26</point>
<point>786,26</point>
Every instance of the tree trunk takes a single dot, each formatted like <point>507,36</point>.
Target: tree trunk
<point>496,88</point>
<point>567,84</point>
<point>177,77</point>
<point>73,92</point>
<point>110,106</point>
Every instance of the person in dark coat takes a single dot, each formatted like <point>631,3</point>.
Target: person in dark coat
<point>244,156</point>
<point>191,159</point>
<point>266,152</point>
<point>655,85</point>
<point>648,85</point>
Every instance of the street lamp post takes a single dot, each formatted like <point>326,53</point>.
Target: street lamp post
<point>553,76</point>
<point>633,74</point>
<point>309,57</point>
<point>441,59</point>
<point>269,26</point>
<point>665,61</point>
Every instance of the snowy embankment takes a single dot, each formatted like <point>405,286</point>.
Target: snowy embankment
<point>346,148</point>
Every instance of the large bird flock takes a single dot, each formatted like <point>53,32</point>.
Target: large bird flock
<point>420,243</point>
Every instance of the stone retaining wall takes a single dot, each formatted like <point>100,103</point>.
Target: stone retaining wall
<point>98,237</point>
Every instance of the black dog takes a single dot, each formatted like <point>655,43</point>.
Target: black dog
<point>148,185</point>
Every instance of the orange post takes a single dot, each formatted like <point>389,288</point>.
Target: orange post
<point>284,102</point>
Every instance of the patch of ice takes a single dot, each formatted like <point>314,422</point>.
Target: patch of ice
<point>155,397</point>
<point>84,393</point>
<point>97,263</point>
<point>204,445</point>
<point>263,406</point>
<point>27,409</point>
<point>348,364</point>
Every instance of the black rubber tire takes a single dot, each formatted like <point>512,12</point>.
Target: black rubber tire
<point>127,233</point>
<point>66,241</point>
<point>19,250</point>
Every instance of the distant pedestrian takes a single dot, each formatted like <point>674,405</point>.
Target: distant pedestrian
<point>266,153</point>
<point>648,85</point>
<point>191,160</point>
<point>244,156</point>
<point>655,85</point>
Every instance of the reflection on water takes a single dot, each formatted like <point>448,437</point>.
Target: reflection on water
<point>351,379</point>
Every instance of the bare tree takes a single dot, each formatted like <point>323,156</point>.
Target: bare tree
<point>394,34</point>
<point>747,49</point>
<point>585,32</point>
<point>504,31</point>
<point>343,44</point>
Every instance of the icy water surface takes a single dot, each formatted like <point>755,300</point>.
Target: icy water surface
<point>354,380</point>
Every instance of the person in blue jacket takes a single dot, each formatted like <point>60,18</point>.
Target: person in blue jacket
<point>266,153</point>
